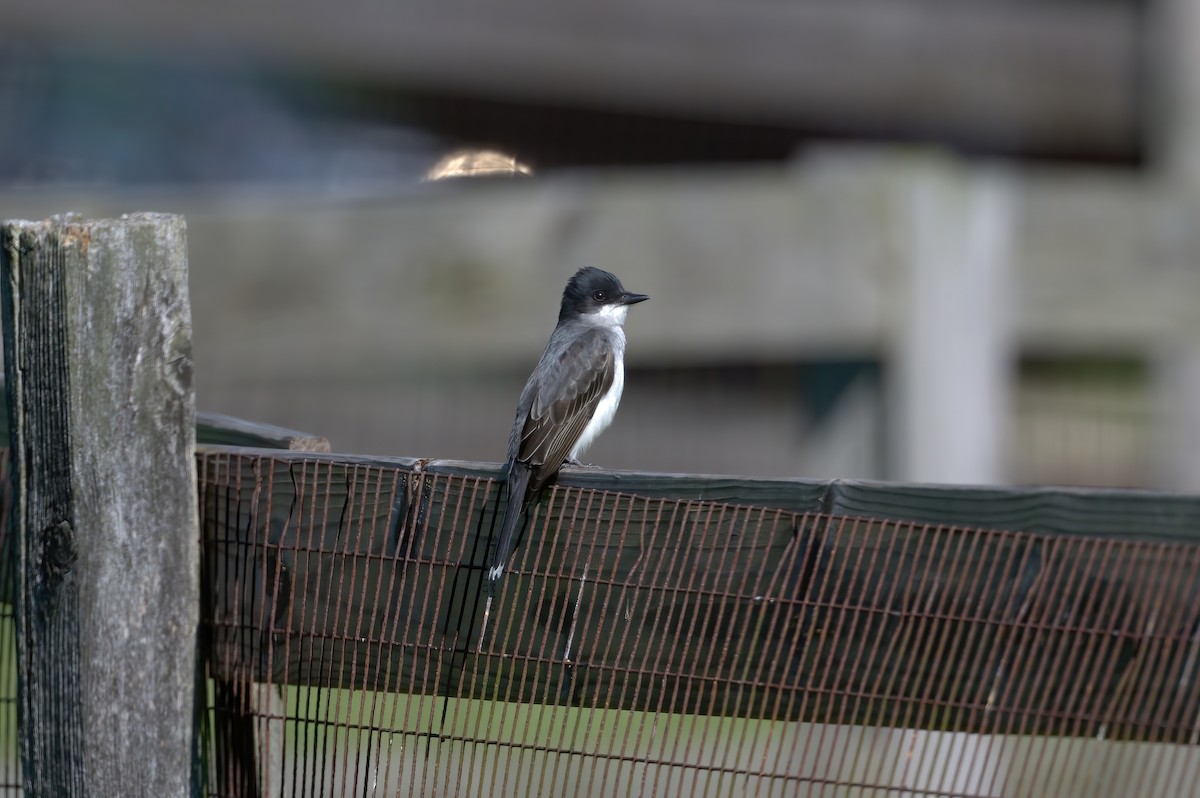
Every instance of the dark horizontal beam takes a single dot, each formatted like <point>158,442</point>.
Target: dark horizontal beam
<point>219,430</point>
<point>1125,514</point>
<point>1051,78</point>
<point>631,592</point>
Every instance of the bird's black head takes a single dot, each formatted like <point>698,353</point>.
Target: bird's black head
<point>592,290</point>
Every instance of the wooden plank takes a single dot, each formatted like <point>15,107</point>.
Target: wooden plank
<point>1051,78</point>
<point>1120,514</point>
<point>1137,515</point>
<point>221,430</point>
<point>808,290</point>
<point>799,495</point>
<point>385,560</point>
<point>97,335</point>
<point>345,573</point>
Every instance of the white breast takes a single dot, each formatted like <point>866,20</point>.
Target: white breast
<point>607,408</point>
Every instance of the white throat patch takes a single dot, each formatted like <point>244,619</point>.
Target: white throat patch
<point>609,315</point>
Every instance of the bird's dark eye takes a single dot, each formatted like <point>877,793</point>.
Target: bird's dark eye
<point>599,296</point>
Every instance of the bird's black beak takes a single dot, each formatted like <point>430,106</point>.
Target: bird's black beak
<point>632,299</point>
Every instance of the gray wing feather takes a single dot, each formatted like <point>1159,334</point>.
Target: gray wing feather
<point>562,406</point>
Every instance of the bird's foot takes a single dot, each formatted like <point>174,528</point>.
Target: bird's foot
<point>571,461</point>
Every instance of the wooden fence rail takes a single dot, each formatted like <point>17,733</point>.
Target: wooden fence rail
<point>832,602</point>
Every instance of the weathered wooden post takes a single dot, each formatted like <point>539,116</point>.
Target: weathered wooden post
<point>97,345</point>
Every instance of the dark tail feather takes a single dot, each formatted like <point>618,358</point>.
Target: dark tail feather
<point>462,610</point>
<point>518,484</point>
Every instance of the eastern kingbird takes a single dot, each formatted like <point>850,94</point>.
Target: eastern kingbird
<point>570,398</point>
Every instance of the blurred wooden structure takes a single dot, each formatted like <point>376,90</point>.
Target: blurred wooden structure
<point>768,266</point>
<point>824,259</point>
<point>1041,79</point>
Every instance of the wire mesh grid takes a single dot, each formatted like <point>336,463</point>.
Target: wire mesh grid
<point>651,646</point>
<point>10,753</point>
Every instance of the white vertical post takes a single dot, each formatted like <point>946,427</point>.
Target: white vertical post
<point>953,365</point>
<point>1177,365</point>
<point>1177,379</point>
<point>1177,75</point>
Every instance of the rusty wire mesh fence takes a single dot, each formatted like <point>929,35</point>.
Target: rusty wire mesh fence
<point>10,745</point>
<point>649,646</point>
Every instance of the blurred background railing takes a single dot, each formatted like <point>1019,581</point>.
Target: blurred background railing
<point>904,239</point>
